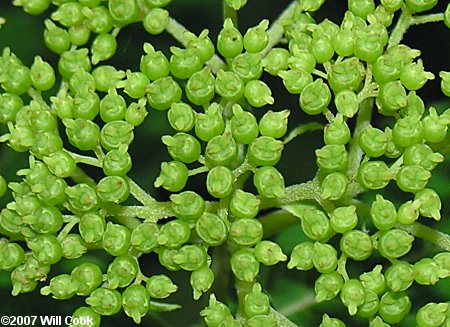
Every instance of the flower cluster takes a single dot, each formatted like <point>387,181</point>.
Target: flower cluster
<point>355,75</point>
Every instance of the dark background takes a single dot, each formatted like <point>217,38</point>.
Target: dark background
<point>291,291</point>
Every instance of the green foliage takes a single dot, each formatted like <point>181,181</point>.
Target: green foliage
<point>138,168</point>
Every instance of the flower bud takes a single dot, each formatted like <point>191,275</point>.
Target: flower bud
<point>256,302</point>
<point>315,224</point>
<point>412,178</point>
<point>430,203</point>
<point>394,306</point>
<point>295,80</point>
<point>201,281</point>
<point>244,126</point>
<point>229,85</point>
<point>211,229</point>
<point>332,158</point>
<point>343,219</point>
<point>229,41</point>
<point>315,97</point>
<point>331,322</point>
<point>163,92</point>
<point>210,123</point>
<point>116,239</point>
<point>428,272</point>
<point>246,232</point>
<point>432,314</point>
<point>216,313</point>
<point>327,286</point>
<point>334,186</point>
<point>374,280</point>
<point>269,253</point>
<point>244,265</point>
<point>265,151</point>
<point>248,66</point>
<point>85,313</point>
<point>352,295</point>
<point>395,243</point>
<point>156,21</point>
<point>256,38</point>
<point>302,256</point>
<point>374,175</point>
<point>244,204</point>
<point>324,257</point>
<point>144,237</point>
<point>46,248</point>
<point>87,277</point>
<point>269,182</point>
<point>370,306</point>
<point>73,246</point>
<point>174,233</point>
<point>105,302</point>
<point>356,245</point>
<point>122,271</point>
<point>346,102</point>
<point>200,87</point>
<point>221,150</point>
<point>160,286</point>
<point>61,287</point>
<point>183,147</point>
<point>383,213</point>
<point>258,93</point>
<point>399,276</point>
<point>191,257</point>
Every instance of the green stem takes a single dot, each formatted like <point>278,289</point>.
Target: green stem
<point>307,300</point>
<point>309,127</point>
<point>139,194</point>
<point>242,289</point>
<point>229,12</point>
<point>276,30</point>
<point>198,170</point>
<point>429,234</point>
<point>431,18</point>
<point>305,191</point>
<point>153,213</point>
<point>403,23</point>
<point>71,222</point>
<point>341,269</point>
<point>79,176</point>
<point>355,152</point>
<point>85,159</point>
<point>281,320</point>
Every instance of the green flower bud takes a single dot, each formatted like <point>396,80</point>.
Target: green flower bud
<point>315,224</point>
<point>428,272</point>
<point>399,276</point>
<point>244,204</point>
<point>60,163</point>
<point>295,80</point>
<point>154,64</point>
<point>12,255</point>
<point>374,175</point>
<point>112,106</point>
<point>156,21</point>
<point>92,226</point>
<point>182,147</point>
<point>10,221</point>
<point>79,34</point>
<point>181,117</point>
<point>83,134</point>
<point>383,213</point>
<point>356,245</point>
<point>248,66</point>
<point>72,60</point>
<point>261,320</point>
<point>84,313</point>
<point>61,287</point>
<point>106,76</point>
<point>327,286</point>
<point>408,212</point>
<point>82,197</point>
<point>10,104</point>
<point>117,161</point>
<point>302,59</point>
<point>42,74</point>
<point>334,186</point>
<point>246,232</point>
<point>209,124</point>
<point>324,257</point>
<point>201,281</point>
<point>443,260</point>
<point>346,75</point>
<point>370,306</point>
<point>219,181</point>
<point>343,219</point>
<point>144,236</point>
<point>174,233</point>
<point>412,178</point>
<point>378,322</point>
<point>432,314</point>
<point>200,87</point>
<point>45,220</point>
<point>113,189</point>
<point>68,14</point>
<point>202,45</point>
<point>216,313</point>
<point>374,280</point>
<point>373,141</point>
<point>430,203</point>
<point>122,271</point>
<point>256,38</point>
<point>166,258</point>
<point>244,265</point>
<point>46,248</point>
<point>116,133</point>
<point>422,155</point>
<point>229,41</point>
<point>434,127</point>
<point>173,176</point>
<point>229,85</point>
<point>269,182</point>
<point>163,92</point>
<point>302,256</point>
<point>445,79</point>
<point>269,253</point>
<point>337,132</point>
<point>407,131</point>
<point>56,38</point>
<point>160,286</point>
<point>274,124</point>
<point>394,306</point>
<point>332,158</point>
<point>395,243</point>
<point>276,60</point>
<point>105,302</point>
<point>73,246</point>
<point>184,62</point>
<point>221,150</point>
<point>87,277</point>
<point>331,322</point>
<point>187,205</point>
<point>256,302</point>
<point>265,151</point>
<point>315,97</point>
<point>244,126</point>
<point>116,239</point>
<point>191,257</point>
<point>352,295</point>
<point>387,68</point>
<point>258,94</point>
<point>211,229</point>
<point>346,102</point>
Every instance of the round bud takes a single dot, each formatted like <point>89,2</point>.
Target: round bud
<point>327,286</point>
<point>302,256</point>
<point>352,295</point>
<point>105,302</point>
<point>201,281</point>
<point>399,276</point>
<point>269,253</point>
<point>187,205</point>
<point>160,286</point>
<point>211,229</point>
<point>244,265</point>
<point>122,271</point>
<point>219,181</point>
<point>395,243</point>
<point>394,306</point>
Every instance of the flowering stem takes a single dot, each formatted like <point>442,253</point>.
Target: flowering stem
<point>429,234</point>
<point>431,18</point>
<point>403,23</point>
<point>139,194</point>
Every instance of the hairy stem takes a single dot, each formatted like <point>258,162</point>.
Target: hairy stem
<point>403,23</point>
<point>429,234</point>
<point>139,194</point>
